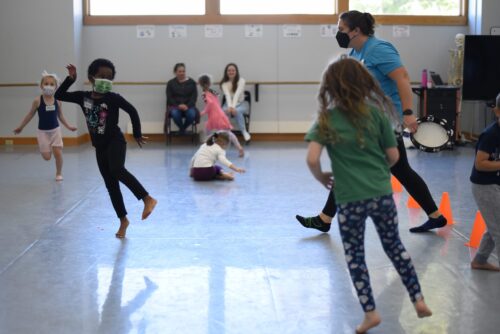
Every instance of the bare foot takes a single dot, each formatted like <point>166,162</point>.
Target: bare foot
<point>122,231</point>
<point>372,319</point>
<point>241,153</point>
<point>149,205</point>
<point>422,309</point>
<point>225,176</point>
<point>484,266</point>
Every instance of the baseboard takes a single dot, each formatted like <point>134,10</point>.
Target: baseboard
<point>68,141</point>
<point>85,138</point>
<point>255,137</point>
<point>278,136</point>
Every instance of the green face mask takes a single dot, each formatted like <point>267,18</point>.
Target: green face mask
<point>103,86</point>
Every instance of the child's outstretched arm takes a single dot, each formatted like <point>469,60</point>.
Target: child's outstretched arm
<point>28,117</point>
<point>222,158</point>
<point>134,118</point>
<point>61,117</point>
<point>237,169</point>
<point>314,163</point>
<point>62,93</point>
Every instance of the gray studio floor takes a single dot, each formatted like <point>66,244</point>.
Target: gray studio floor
<point>221,257</point>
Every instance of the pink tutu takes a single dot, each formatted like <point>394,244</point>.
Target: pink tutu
<point>217,119</point>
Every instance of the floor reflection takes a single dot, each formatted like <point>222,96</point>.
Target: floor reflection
<point>116,315</point>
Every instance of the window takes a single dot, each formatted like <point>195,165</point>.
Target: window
<point>196,12</point>
<point>146,7</point>
<point>266,7</point>
<point>409,7</point>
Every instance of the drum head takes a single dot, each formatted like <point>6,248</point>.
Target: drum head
<point>432,135</point>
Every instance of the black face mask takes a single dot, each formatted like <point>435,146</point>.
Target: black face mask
<point>343,39</point>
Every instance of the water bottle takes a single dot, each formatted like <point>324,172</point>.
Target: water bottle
<point>423,82</point>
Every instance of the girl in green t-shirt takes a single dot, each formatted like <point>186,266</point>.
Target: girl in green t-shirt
<point>354,125</point>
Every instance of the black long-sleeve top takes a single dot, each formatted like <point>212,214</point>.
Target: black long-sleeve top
<point>101,114</point>
<point>181,92</point>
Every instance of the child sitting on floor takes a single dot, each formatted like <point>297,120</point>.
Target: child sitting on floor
<point>203,167</point>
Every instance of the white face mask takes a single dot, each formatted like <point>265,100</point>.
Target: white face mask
<point>48,90</point>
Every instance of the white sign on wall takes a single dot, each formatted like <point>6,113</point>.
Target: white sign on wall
<point>213,31</point>
<point>328,30</point>
<point>401,31</point>
<point>292,31</point>
<point>254,30</point>
<point>177,31</point>
<point>145,31</point>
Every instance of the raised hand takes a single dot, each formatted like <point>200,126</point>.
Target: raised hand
<point>71,71</point>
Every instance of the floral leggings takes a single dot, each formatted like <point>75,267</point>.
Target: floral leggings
<point>352,217</point>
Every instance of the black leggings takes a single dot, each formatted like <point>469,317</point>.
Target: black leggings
<point>111,162</point>
<point>412,182</point>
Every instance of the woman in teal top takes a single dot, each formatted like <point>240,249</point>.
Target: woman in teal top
<point>356,31</point>
<point>354,125</point>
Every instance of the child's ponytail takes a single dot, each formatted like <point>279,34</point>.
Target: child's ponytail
<point>212,139</point>
<point>218,137</point>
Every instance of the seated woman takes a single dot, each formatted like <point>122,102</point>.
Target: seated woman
<point>181,98</point>
<point>234,91</point>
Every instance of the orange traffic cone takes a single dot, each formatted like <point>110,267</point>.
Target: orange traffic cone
<point>397,187</point>
<point>445,208</point>
<point>477,232</point>
<point>412,204</point>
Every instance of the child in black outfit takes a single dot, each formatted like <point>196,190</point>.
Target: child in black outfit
<point>100,108</point>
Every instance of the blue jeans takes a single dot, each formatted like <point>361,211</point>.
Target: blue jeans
<point>183,119</point>
<point>241,109</point>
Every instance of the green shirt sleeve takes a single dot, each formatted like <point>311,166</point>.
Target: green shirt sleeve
<point>313,134</point>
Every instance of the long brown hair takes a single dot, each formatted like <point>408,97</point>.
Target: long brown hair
<point>349,86</point>
<point>236,78</point>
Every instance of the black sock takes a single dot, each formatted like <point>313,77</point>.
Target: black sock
<point>430,224</point>
<point>314,222</point>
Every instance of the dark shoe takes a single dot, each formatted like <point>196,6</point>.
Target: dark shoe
<point>313,222</point>
<point>430,224</point>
